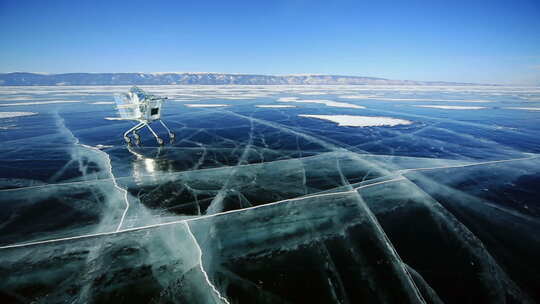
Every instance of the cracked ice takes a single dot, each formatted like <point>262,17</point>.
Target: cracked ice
<point>263,202</point>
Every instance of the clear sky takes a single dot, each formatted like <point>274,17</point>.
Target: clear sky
<point>489,41</point>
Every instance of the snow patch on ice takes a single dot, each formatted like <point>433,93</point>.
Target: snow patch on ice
<point>275,106</point>
<point>357,96</point>
<point>37,103</point>
<point>234,97</point>
<point>328,103</point>
<point>15,114</point>
<point>202,105</point>
<point>102,102</point>
<point>434,99</point>
<point>360,121</point>
<point>312,93</point>
<point>450,107</point>
<point>524,108</point>
<point>287,99</point>
<point>411,99</point>
<point>15,98</point>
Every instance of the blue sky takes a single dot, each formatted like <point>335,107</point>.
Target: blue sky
<point>477,41</point>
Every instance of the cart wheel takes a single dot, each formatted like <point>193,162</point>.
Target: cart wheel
<point>159,141</point>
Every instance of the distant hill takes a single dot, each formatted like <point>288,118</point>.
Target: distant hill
<point>34,79</point>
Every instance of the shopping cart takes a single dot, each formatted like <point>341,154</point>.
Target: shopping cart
<point>142,107</point>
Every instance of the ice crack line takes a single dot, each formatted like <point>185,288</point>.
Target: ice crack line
<point>202,268</point>
<point>386,240</point>
<point>172,174</point>
<point>254,207</point>
<point>197,218</point>
<point>276,161</point>
<point>218,199</point>
<point>63,128</point>
<point>467,165</point>
<point>109,167</point>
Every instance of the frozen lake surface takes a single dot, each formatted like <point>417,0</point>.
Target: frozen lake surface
<point>272,194</point>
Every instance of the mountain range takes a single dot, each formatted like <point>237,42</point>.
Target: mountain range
<point>192,78</point>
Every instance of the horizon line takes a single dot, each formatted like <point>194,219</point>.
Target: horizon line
<point>253,74</point>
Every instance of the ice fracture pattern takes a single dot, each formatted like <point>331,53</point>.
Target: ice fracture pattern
<point>272,194</point>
